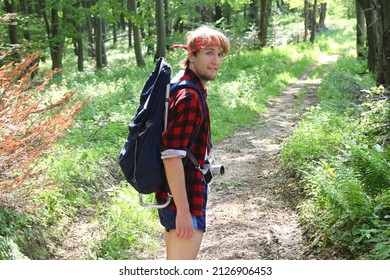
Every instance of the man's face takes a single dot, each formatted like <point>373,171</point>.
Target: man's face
<point>206,63</point>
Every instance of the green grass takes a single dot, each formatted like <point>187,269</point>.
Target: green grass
<point>344,167</point>
<point>131,230</point>
<point>241,91</point>
<point>82,167</point>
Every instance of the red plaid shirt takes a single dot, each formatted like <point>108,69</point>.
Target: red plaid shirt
<point>185,117</point>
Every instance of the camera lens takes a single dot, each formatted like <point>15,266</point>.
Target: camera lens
<point>217,170</point>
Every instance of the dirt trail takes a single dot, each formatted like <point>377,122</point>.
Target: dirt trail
<point>251,211</point>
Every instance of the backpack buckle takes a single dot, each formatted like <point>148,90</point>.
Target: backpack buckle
<point>154,205</point>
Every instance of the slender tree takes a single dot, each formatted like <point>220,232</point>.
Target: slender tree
<point>167,15</point>
<point>89,26</point>
<point>254,12</point>
<point>160,28</point>
<point>10,8</point>
<point>75,26</point>
<point>265,10</point>
<point>361,31</point>
<point>137,35</point>
<point>369,8</point>
<point>99,41</point>
<point>380,79</point>
<point>306,20</point>
<point>386,41</point>
<point>51,17</point>
<point>313,21</point>
<point>321,22</point>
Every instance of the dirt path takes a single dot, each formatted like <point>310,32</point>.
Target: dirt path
<point>251,211</point>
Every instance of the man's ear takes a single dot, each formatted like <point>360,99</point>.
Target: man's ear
<point>191,56</point>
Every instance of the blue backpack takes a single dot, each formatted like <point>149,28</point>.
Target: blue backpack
<point>140,157</point>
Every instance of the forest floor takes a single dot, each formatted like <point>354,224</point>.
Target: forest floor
<point>252,209</point>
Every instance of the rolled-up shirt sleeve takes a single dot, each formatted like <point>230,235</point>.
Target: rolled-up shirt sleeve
<point>171,153</point>
<point>188,129</point>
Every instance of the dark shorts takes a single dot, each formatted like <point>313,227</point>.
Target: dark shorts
<point>168,216</point>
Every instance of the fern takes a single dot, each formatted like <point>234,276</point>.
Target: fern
<point>9,250</point>
<point>372,167</point>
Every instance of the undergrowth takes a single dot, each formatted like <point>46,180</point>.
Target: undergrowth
<point>82,171</point>
<point>340,154</point>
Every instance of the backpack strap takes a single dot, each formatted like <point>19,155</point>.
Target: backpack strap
<point>188,84</point>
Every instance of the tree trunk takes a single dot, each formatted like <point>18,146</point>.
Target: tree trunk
<point>77,36</point>
<point>26,7</point>
<point>168,23</point>
<point>227,11</point>
<point>386,41</point>
<point>122,19</point>
<point>254,13</point>
<point>160,27</point>
<point>114,34</point>
<point>53,29</point>
<point>137,36</point>
<point>98,42</point>
<point>313,21</point>
<point>57,40</point>
<point>361,31</point>
<point>130,35</point>
<point>207,14</point>
<point>80,50</point>
<point>321,23</point>
<point>218,13</point>
<point>264,20</point>
<point>380,79</point>
<point>9,7</point>
<point>104,55</point>
<point>89,26</point>
<point>130,27</point>
<point>370,13</point>
<point>306,20</point>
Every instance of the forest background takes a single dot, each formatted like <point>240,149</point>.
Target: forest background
<point>71,73</point>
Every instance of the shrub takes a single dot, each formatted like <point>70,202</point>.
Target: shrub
<point>340,154</point>
<point>29,125</point>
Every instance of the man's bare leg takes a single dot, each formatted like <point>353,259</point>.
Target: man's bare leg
<point>182,249</point>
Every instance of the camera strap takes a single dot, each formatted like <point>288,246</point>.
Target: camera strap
<point>191,157</point>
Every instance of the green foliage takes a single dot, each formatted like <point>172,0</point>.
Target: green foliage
<point>343,208</point>
<point>9,250</point>
<point>333,39</point>
<point>82,166</point>
<point>12,224</point>
<point>131,229</point>
<point>247,81</point>
<point>372,165</point>
<point>343,166</point>
<point>341,8</point>
<point>319,135</point>
<point>335,8</point>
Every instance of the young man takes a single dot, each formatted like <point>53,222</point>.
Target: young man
<point>185,219</point>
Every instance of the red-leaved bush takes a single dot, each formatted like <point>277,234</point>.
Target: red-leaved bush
<point>28,126</point>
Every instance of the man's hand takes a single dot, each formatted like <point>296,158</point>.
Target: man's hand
<point>184,225</point>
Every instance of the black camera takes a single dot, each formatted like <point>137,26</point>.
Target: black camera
<point>212,170</point>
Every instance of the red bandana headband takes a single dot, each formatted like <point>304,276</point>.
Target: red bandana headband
<point>201,42</point>
<point>184,47</point>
